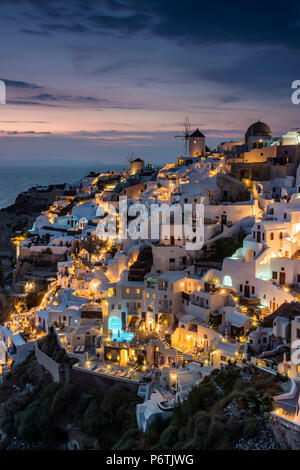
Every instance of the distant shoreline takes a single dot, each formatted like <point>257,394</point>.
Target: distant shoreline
<point>15,179</point>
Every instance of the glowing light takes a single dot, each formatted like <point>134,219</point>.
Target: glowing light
<point>29,287</point>
<point>227,281</point>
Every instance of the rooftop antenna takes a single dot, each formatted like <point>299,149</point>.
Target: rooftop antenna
<point>186,135</point>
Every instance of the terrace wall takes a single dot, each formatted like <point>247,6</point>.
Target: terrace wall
<point>49,364</point>
<point>286,432</point>
<point>88,380</point>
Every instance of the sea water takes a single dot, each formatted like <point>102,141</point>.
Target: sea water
<point>16,179</point>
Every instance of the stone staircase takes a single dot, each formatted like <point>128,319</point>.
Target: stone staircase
<point>167,344</point>
<point>142,265</point>
<point>179,357</point>
<point>296,255</point>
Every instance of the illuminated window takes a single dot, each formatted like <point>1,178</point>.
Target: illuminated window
<point>227,281</point>
<point>111,292</point>
<point>127,291</point>
<point>138,291</point>
<point>153,296</point>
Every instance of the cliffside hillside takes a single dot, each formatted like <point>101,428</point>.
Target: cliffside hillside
<point>21,215</point>
<point>228,410</point>
<point>37,413</point>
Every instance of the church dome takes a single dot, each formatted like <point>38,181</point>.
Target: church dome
<point>258,129</point>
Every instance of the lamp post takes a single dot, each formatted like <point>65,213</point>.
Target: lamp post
<point>174,382</point>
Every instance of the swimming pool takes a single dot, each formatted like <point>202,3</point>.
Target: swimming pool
<point>115,325</point>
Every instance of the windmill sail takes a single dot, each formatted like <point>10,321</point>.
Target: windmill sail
<point>186,135</point>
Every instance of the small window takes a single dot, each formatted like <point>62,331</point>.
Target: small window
<point>271,236</point>
<point>274,275</point>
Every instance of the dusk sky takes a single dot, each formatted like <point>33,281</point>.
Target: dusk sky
<point>95,80</point>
